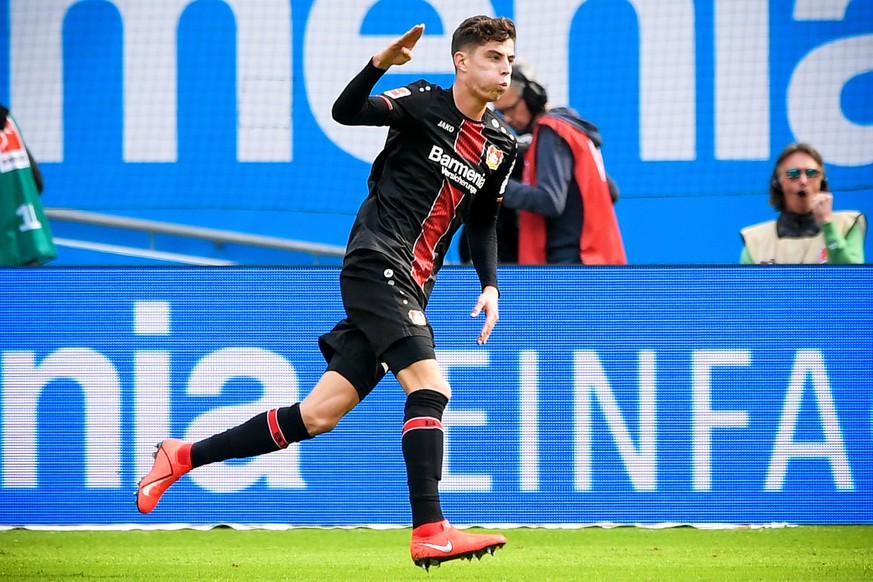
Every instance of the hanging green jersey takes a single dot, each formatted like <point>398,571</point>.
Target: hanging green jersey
<point>25,237</point>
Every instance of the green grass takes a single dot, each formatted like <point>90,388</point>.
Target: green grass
<point>683,554</point>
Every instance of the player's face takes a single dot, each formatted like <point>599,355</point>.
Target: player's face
<point>797,184</point>
<point>487,69</point>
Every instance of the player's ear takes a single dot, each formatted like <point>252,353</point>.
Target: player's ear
<point>460,59</point>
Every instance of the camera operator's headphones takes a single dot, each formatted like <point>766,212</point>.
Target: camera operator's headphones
<point>534,94</point>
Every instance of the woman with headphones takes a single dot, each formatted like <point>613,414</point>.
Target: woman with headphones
<point>807,231</point>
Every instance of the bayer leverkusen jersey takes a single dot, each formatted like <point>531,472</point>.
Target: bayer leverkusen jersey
<point>437,167</point>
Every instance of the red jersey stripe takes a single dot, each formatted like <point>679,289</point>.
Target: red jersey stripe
<point>434,228</point>
<point>470,144</point>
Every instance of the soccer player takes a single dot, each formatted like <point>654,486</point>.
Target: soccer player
<point>446,161</point>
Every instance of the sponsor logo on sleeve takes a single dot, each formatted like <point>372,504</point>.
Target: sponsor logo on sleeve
<point>398,92</point>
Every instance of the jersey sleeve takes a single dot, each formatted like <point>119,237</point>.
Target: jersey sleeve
<point>481,233</point>
<point>496,187</point>
<point>481,223</point>
<point>407,105</point>
<point>356,105</point>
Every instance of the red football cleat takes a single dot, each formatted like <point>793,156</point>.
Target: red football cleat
<point>169,466</point>
<point>435,543</point>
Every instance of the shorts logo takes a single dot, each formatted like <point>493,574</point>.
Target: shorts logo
<point>417,317</point>
<point>493,157</point>
<point>398,92</point>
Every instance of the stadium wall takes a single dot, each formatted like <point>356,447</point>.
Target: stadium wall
<point>635,395</point>
<point>217,113</point>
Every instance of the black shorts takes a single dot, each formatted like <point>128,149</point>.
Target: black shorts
<point>385,326</point>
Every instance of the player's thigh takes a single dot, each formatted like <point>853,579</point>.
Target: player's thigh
<point>348,353</point>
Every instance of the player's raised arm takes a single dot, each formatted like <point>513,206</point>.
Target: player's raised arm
<point>354,105</point>
<point>399,51</point>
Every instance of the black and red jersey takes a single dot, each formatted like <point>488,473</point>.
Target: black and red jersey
<point>439,169</point>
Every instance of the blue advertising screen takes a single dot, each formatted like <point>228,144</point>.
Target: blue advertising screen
<point>218,113</point>
<point>625,395</point>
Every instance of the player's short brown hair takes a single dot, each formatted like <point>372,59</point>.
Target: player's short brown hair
<point>479,30</point>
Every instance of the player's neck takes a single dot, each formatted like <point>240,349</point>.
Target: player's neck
<point>467,103</point>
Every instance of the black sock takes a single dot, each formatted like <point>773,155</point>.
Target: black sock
<point>267,432</point>
<point>423,453</point>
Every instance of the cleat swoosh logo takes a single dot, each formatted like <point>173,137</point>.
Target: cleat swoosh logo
<point>147,490</point>
<point>446,548</point>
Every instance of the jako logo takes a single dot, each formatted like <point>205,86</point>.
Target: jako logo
<point>443,125</point>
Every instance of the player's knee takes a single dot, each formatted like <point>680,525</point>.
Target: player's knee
<point>424,375</point>
<point>437,385</point>
<point>320,425</point>
<point>443,388</point>
<point>319,422</point>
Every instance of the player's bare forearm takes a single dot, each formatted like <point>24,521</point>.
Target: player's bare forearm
<point>487,302</point>
<point>399,51</point>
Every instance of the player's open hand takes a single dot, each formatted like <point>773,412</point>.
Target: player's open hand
<point>399,51</point>
<point>488,303</point>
